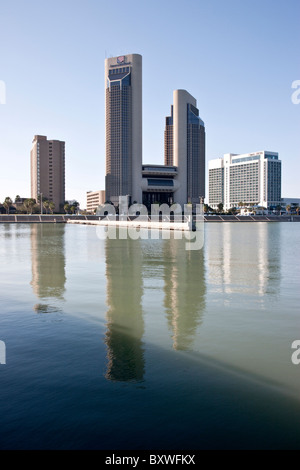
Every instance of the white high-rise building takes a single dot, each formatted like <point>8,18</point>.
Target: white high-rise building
<point>252,178</point>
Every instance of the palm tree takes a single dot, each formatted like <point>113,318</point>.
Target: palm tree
<point>29,205</point>
<point>76,205</point>
<point>51,207</point>
<point>7,203</point>
<point>220,207</point>
<point>288,208</point>
<point>46,206</point>
<point>67,208</point>
<point>17,199</point>
<point>232,211</point>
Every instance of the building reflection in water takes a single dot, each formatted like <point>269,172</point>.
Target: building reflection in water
<point>185,291</point>
<point>48,264</point>
<point>125,323</point>
<point>244,258</point>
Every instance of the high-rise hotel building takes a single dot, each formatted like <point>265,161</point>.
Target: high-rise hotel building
<point>185,147</point>
<point>123,119</point>
<point>182,179</point>
<point>253,179</point>
<point>48,170</point>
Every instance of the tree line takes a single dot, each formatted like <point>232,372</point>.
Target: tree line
<point>294,208</point>
<point>32,206</point>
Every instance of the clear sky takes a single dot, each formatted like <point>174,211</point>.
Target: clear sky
<point>238,58</point>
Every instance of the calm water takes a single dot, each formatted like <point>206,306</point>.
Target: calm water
<point>122,344</point>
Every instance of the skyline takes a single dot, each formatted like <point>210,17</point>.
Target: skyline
<point>239,61</point>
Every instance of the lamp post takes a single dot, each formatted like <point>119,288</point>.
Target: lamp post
<point>41,196</point>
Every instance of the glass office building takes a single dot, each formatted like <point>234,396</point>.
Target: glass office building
<point>182,179</point>
<point>123,96</point>
<point>185,148</point>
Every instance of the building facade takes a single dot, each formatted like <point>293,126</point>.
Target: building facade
<point>48,170</point>
<point>253,179</point>
<point>188,150</point>
<point>123,120</point>
<point>94,199</point>
<point>216,182</point>
<point>182,179</point>
<point>168,138</point>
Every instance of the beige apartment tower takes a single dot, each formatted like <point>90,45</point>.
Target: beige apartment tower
<point>123,122</point>
<point>48,170</point>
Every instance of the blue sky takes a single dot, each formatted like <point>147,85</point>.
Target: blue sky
<point>238,58</point>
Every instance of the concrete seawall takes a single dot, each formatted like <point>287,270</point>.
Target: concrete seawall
<point>252,218</point>
<point>43,219</point>
<point>38,219</point>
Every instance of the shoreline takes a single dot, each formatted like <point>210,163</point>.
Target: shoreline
<point>94,219</point>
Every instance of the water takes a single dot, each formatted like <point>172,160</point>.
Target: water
<point>122,344</point>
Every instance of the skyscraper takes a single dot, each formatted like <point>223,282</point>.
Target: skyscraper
<point>48,170</point>
<point>123,120</point>
<point>185,147</point>
<point>169,154</point>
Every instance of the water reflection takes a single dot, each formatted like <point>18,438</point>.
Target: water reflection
<point>244,258</point>
<point>185,291</point>
<point>162,269</point>
<point>125,324</point>
<point>48,264</point>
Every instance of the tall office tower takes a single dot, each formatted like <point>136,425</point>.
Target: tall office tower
<point>169,140</point>
<point>188,152</point>
<point>123,119</point>
<point>252,178</point>
<point>48,170</point>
